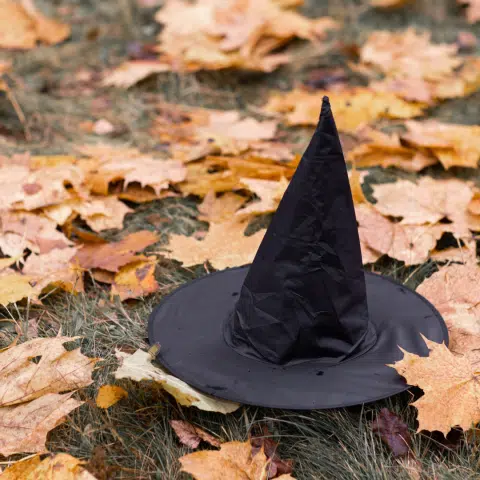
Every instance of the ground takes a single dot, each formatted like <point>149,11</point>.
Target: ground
<point>135,435</point>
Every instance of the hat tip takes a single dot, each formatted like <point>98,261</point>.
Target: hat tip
<point>325,106</point>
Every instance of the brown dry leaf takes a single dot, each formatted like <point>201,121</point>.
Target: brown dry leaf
<point>353,107</point>
<point>427,202</point>
<point>233,460</point>
<point>58,370</point>
<point>473,10</point>
<point>409,54</point>
<point>218,34</point>
<point>191,436</point>
<point>454,293</point>
<point>393,431</point>
<point>389,3</point>
<point>356,178</point>
<point>411,244</point>
<point>24,427</point>
<point>450,385</point>
<point>22,26</point>
<point>220,209</point>
<point>138,367</point>
<point>386,151</point>
<point>130,165</point>
<point>62,466</point>
<point>24,187</point>
<point>269,192</point>
<point>262,441</point>
<point>54,269</point>
<point>112,256</point>
<point>453,145</point>
<point>135,279</point>
<point>99,213</point>
<point>21,230</point>
<point>131,72</point>
<point>109,395</point>
<point>228,172</point>
<point>197,132</point>
<point>224,246</point>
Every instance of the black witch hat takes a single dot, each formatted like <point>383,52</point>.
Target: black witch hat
<point>304,326</point>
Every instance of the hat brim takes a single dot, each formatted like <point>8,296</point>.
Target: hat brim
<point>188,325</point>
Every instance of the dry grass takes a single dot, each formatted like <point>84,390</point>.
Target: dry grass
<point>135,434</point>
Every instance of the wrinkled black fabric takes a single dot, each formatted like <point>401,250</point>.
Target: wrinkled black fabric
<point>304,296</point>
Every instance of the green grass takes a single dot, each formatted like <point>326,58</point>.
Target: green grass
<point>135,434</point>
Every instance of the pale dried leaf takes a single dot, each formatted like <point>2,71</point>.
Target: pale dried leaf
<point>225,245</point>
<point>24,427</point>
<point>138,367</point>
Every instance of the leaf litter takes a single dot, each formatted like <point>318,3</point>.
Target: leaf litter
<point>238,165</point>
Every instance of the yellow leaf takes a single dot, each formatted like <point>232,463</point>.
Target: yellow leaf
<point>138,367</point>
<point>451,388</point>
<point>224,245</point>
<point>234,460</point>
<point>453,145</point>
<point>15,287</point>
<point>353,107</point>
<point>215,209</point>
<point>135,280</point>
<point>21,26</point>
<point>109,395</point>
<point>61,466</point>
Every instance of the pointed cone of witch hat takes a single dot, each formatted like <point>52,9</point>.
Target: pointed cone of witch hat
<point>304,326</point>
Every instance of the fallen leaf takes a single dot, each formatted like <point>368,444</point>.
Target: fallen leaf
<point>389,3</point>
<point>454,293</point>
<point>22,26</point>
<point>102,127</point>
<point>453,145</point>
<point>269,192</point>
<point>21,230</point>
<point>353,107</point>
<point>54,269</point>
<point>225,245</point>
<point>427,202</point>
<point>15,287</point>
<point>113,256</point>
<point>220,209</point>
<point>263,442</point>
<point>233,460</point>
<point>223,174</point>
<point>57,370</point>
<point>109,395</point>
<point>386,151</point>
<point>473,10</point>
<point>213,34</point>
<point>131,72</point>
<point>135,279</point>
<point>138,367</point>
<point>408,53</point>
<point>24,427</point>
<point>61,466</point>
<point>394,432</point>
<point>132,166</point>
<point>450,385</point>
<point>191,436</point>
<point>408,243</point>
